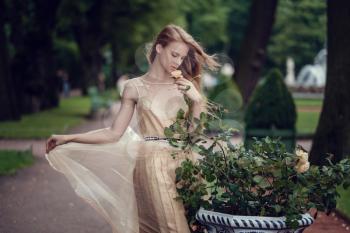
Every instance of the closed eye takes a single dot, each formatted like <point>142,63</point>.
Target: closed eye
<point>174,54</point>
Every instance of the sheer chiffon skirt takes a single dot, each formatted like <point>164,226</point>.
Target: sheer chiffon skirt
<point>131,183</point>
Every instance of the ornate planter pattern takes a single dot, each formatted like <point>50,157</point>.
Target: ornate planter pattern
<point>226,223</point>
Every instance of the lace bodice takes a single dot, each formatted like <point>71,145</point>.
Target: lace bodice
<point>157,105</point>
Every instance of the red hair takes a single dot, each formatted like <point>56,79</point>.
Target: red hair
<point>196,58</point>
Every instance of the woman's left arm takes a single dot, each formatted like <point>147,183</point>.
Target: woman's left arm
<point>198,101</point>
<point>197,107</point>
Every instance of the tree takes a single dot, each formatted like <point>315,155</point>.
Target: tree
<point>9,109</point>
<point>113,26</point>
<point>85,19</point>
<point>333,130</point>
<point>32,67</point>
<point>253,48</point>
<point>299,32</point>
<point>207,21</point>
<point>237,22</point>
<point>131,26</point>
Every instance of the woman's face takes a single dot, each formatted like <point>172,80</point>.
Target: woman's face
<point>172,55</point>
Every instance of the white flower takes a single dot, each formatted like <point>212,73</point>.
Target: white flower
<point>303,161</point>
<point>302,156</point>
<point>301,168</point>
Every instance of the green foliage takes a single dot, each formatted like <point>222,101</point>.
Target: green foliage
<point>67,58</point>
<point>228,95</point>
<point>236,26</point>
<point>299,32</point>
<point>121,27</point>
<point>101,100</point>
<point>271,105</point>
<point>11,161</point>
<point>264,180</point>
<point>207,22</point>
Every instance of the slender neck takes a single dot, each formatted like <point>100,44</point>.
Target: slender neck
<point>157,72</point>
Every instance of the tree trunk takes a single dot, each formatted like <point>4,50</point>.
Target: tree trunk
<point>44,62</point>
<point>32,65</point>
<point>90,61</point>
<point>333,130</point>
<point>9,109</point>
<point>253,49</point>
<point>89,36</point>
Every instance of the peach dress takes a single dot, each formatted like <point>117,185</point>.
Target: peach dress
<point>131,182</point>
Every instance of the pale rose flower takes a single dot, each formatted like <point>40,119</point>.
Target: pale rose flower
<point>301,168</point>
<point>302,156</point>
<point>176,74</point>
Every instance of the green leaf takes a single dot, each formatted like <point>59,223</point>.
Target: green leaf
<point>277,208</point>
<point>178,171</point>
<point>262,211</point>
<point>258,179</point>
<point>168,132</point>
<point>261,181</point>
<point>277,173</point>
<point>233,187</point>
<point>180,114</point>
<point>225,195</point>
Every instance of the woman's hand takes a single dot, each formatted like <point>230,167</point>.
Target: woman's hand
<point>55,140</point>
<point>188,89</point>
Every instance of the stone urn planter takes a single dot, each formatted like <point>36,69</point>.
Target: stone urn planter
<point>225,223</point>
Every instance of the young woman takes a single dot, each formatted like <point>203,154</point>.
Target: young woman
<point>129,177</point>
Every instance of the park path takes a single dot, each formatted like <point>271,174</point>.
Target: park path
<point>38,199</point>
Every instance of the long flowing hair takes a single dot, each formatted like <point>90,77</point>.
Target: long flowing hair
<point>196,58</point>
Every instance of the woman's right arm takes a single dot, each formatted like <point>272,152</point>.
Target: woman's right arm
<point>107,135</point>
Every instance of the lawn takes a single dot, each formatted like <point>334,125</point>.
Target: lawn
<point>308,102</point>
<point>308,115</point>
<point>307,122</point>
<point>71,112</point>
<point>343,203</point>
<point>11,160</point>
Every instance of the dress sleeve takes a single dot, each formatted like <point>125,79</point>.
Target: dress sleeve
<point>129,93</point>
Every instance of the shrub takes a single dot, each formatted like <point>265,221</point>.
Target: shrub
<point>271,105</point>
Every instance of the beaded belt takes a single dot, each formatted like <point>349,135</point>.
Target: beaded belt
<point>154,138</point>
